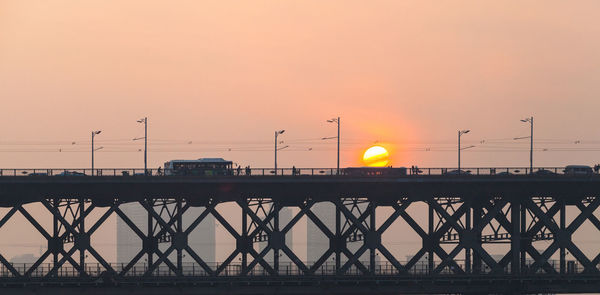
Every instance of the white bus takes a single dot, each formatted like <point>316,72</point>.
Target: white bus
<point>200,167</point>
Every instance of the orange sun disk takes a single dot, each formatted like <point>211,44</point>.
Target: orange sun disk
<point>376,156</point>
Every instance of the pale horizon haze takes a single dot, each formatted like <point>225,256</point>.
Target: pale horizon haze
<point>227,74</point>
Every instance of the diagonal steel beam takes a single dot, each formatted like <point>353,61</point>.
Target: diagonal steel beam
<point>437,249</point>
<point>199,260</point>
<point>356,222</point>
<point>295,259</point>
<point>298,216</point>
<point>450,219</point>
<point>8,215</point>
<point>415,258</point>
<point>324,229</point>
<point>261,261</point>
<point>584,215</point>
<point>261,225</point>
<point>165,226</point>
<point>10,267</point>
<point>353,259</point>
<point>390,220</point>
<point>34,222</point>
<point>542,259</point>
<point>593,219</point>
<point>224,223</point>
<point>162,257</point>
<point>448,260</point>
<point>130,223</point>
<point>68,257</point>
<point>414,225</point>
<point>69,228</point>
<point>132,262</point>
<point>321,260</point>
<point>548,222</point>
<point>37,263</point>
<point>538,257</point>
<point>226,263</point>
<point>256,260</point>
<point>100,259</point>
<point>63,259</point>
<point>101,220</point>
<point>390,257</point>
<point>198,220</point>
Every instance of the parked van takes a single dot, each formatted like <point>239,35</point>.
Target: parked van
<point>578,170</point>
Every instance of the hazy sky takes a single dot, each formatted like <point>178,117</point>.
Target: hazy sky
<point>227,74</point>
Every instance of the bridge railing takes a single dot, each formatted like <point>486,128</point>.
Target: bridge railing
<point>421,268</point>
<point>366,171</point>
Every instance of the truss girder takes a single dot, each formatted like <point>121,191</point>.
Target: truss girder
<point>456,232</point>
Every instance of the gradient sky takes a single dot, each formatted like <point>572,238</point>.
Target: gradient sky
<point>405,73</point>
<point>227,74</point>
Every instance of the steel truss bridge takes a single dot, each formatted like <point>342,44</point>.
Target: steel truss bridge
<point>533,217</point>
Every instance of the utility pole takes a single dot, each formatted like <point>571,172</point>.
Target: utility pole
<point>459,151</point>
<point>337,121</point>
<point>461,132</point>
<point>530,121</point>
<point>145,121</point>
<point>338,146</point>
<point>531,148</point>
<point>145,145</point>
<point>277,134</point>
<point>94,133</point>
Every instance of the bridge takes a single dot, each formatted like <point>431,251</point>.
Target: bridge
<point>533,216</point>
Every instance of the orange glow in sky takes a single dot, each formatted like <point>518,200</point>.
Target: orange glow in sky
<point>376,156</point>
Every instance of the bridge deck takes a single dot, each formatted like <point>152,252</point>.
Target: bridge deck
<point>468,211</point>
<point>292,189</point>
<point>343,285</point>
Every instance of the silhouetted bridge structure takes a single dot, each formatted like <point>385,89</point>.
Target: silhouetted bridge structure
<point>534,217</point>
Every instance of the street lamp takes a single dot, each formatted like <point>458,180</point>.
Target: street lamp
<point>530,120</point>
<point>460,133</point>
<point>337,121</point>
<point>94,133</point>
<point>277,133</point>
<point>145,121</point>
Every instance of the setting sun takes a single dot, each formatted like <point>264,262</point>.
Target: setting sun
<point>376,156</point>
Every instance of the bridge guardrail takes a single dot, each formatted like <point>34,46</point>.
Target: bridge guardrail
<point>285,269</point>
<point>361,171</point>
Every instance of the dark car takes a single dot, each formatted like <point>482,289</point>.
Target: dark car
<point>70,173</point>
<point>543,172</point>
<point>375,171</point>
<point>457,172</point>
<point>38,174</point>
